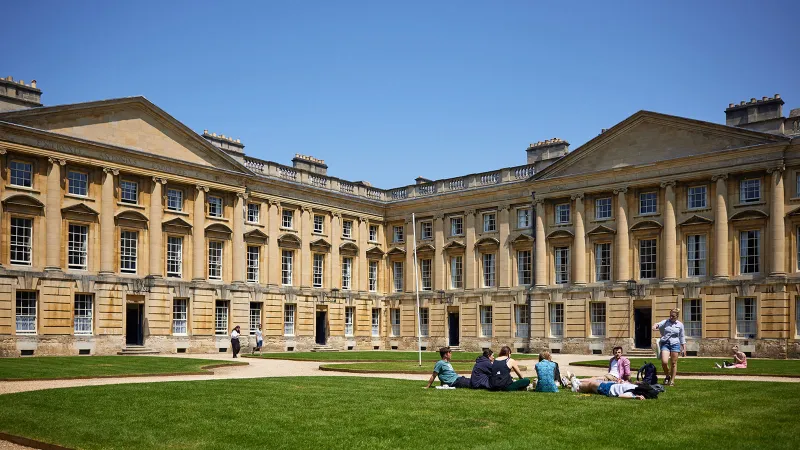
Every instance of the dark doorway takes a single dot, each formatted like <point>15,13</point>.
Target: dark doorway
<point>453,328</point>
<point>322,327</point>
<point>134,324</point>
<point>642,320</point>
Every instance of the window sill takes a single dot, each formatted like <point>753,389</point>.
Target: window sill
<point>319,233</point>
<point>83,334</point>
<point>79,197</point>
<point>30,190</point>
<point>254,224</point>
<point>348,239</point>
<point>288,229</point>
<point>174,276</point>
<point>457,235</point>
<point>696,210</point>
<point>220,218</point>
<point>177,213</point>
<point>749,204</point>
<point>374,242</point>
<point>21,265</point>
<point>181,334</point>
<point>562,224</point>
<point>26,333</point>
<point>596,220</point>
<point>398,242</point>
<point>131,205</point>
<point>655,214</point>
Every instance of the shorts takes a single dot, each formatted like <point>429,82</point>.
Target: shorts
<point>675,348</point>
<point>604,388</point>
<point>259,344</point>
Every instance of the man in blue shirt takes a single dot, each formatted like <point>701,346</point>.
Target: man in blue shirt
<point>444,370</point>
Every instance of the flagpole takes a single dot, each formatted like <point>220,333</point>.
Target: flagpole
<point>416,288</point>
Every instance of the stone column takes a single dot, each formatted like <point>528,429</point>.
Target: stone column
<point>107,222</point>
<point>336,240</point>
<point>2,185</point>
<point>439,263</point>
<point>362,264</point>
<point>411,271</point>
<point>199,234</point>
<point>579,260</point>
<point>503,273</point>
<point>469,251</point>
<point>303,266</point>
<point>777,216</point>
<point>237,240</point>
<point>273,250</point>
<point>540,246</point>
<point>622,256</point>
<point>53,215</point>
<point>156,251</point>
<point>721,226</point>
<point>670,246</point>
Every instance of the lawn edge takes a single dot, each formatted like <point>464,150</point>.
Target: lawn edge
<point>330,368</point>
<point>723,374</point>
<point>28,442</point>
<point>204,370</point>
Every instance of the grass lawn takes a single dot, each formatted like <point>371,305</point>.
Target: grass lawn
<point>399,367</point>
<point>51,367</point>
<point>345,412</point>
<point>376,356</point>
<point>688,366</point>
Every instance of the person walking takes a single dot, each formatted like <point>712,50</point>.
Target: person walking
<point>672,344</point>
<point>235,340</point>
<point>259,339</point>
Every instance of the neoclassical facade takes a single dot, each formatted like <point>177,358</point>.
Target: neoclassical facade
<point>122,228</point>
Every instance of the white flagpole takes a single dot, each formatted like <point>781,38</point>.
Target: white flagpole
<point>416,288</point>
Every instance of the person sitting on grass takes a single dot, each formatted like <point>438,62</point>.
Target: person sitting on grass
<point>444,370</point>
<point>622,389</point>
<point>501,380</point>
<point>619,367</point>
<point>546,372</point>
<point>739,360</point>
<point>482,370</point>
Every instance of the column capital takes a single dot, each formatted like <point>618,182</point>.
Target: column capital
<point>307,209</point>
<point>620,190</point>
<point>470,212</point>
<point>243,195</point>
<point>671,183</point>
<point>578,196</point>
<point>538,201</point>
<point>503,207</point>
<point>202,188</point>
<point>158,180</point>
<point>362,219</point>
<point>719,176</point>
<point>273,202</point>
<point>2,150</point>
<point>779,168</point>
<point>60,162</point>
<point>337,215</point>
<point>438,216</point>
<point>111,170</point>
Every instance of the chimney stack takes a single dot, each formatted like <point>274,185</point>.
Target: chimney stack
<point>229,145</point>
<point>765,115</point>
<point>543,153</point>
<point>16,95</point>
<point>309,163</point>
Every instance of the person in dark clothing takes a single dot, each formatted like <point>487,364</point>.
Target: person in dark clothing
<point>500,379</point>
<point>482,371</point>
<point>235,346</point>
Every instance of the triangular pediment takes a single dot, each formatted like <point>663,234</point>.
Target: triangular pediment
<point>648,138</point>
<point>176,222</point>
<point>255,236</point>
<point>320,245</point>
<point>133,123</point>
<point>696,220</point>
<point>749,214</point>
<point>488,242</point>
<point>375,253</point>
<point>600,229</point>
<point>396,251</point>
<point>289,240</point>
<point>455,245</point>
<point>425,248</point>
<point>79,208</point>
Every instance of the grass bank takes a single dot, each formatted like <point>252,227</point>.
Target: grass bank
<point>705,366</point>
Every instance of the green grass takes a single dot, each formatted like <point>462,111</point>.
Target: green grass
<point>399,367</point>
<point>345,412</point>
<point>52,367</point>
<point>369,356</point>
<point>688,366</point>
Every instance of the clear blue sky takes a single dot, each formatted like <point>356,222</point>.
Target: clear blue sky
<point>388,91</point>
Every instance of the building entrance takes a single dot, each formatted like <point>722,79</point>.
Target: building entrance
<point>134,324</point>
<point>322,328</point>
<point>643,321</point>
<point>453,329</point>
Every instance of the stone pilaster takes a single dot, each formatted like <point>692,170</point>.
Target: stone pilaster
<point>2,185</point>
<point>579,260</point>
<point>469,251</point>
<point>439,263</point>
<point>669,246</point>
<point>503,260</point>
<point>199,234</point>
<point>411,269</point>
<point>237,240</point>
<point>540,246</point>
<point>107,222</point>
<point>336,241</point>
<point>777,216</point>
<point>156,251</point>
<point>362,264</point>
<point>302,266</point>
<point>622,257</point>
<point>53,214</point>
<point>273,251</point>
<point>721,226</point>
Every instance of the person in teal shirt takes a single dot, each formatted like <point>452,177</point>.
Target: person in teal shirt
<point>444,370</point>
<point>546,371</point>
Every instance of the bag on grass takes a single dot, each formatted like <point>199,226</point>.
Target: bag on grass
<point>647,373</point>
<point>646,390</point>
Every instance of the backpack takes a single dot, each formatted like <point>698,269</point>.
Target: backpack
<point>647,373</point>
<point>647,391</point>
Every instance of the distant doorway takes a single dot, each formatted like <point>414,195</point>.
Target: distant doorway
<point>453,329</point>
<point>134,324</point>
<point>322,327</point>
<point>643,321</point>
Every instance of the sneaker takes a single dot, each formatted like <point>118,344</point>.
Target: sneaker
<point>570,375</point>
<point>576,384</point>
<point>666,380</point>
<point>564,381</point>
<point>718,366</point>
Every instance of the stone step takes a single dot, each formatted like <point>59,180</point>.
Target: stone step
<point>641,353</point>
<point>323,348</point>
<point>137,350</point>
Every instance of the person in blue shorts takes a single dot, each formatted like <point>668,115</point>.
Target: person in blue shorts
<point>671,345</point>
<point>444,370</point>
<point>607,388</point>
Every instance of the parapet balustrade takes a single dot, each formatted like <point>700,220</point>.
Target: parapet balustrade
<point>319,181</point>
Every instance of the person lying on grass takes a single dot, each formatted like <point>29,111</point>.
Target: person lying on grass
<point>608,388</point>
<point>739,360</point>
<point>444,370</point>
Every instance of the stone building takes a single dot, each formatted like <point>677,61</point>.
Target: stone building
<point>121,228</point>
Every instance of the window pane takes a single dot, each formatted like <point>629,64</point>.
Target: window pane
<point>562,265</point>
<point>456,277</point>
<point>179,316</point>
<point>286,267</point>
<point>397,275</point>
<point>255,317</point>
<point>26,312</point>
<point>215,260</point>
<point>597,316</point>
<point>288,319</point>
<point>696,255</point>
<point>524,273</point>
<point>20,242</point>
<point>253,259</point>
<point>21,173</point>
<point>602,208</point>
<point>83,313</point>
<point>174,199</point>
<point>556,319</point>
<point>602,258</point>
<point>648,203</point>
<point>174,256</point>
<point>128,251</point>
<point>486,321</point>
<point>221,318</point>
<point>693,318</point>
<point>749,251</point>
<point>129,191</point>
<point>647,259</point>
<point>522,321</point>
<point>77,242</point>
<point>376,322</point>
<point>318,268</point>
<point>78,183</point>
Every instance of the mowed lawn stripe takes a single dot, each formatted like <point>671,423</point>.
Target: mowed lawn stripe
<point>347,412</point>
<point>399,367</point>
<point>374,356</point>
<point>61,367</point>
<point>688,366</point>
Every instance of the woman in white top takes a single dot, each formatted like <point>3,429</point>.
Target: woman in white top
<point>235,340</point>
<point>259,338</point>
